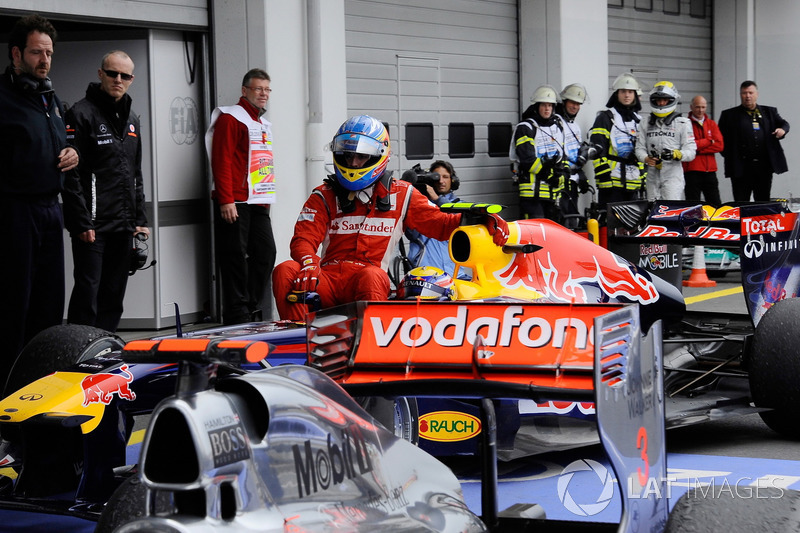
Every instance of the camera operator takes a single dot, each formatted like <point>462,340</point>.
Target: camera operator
<point>438,185</point>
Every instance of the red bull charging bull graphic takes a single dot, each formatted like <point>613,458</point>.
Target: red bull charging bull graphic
<point>770,256</point>
<point>101,388</point>
<point>572,269</point>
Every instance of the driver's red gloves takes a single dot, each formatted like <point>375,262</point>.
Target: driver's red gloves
<point>498,228</point>
<point>308,277</point>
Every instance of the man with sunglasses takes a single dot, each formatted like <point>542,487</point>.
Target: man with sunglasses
<point>35,156</point>
<point>104,200</point>
<point>239,144</point>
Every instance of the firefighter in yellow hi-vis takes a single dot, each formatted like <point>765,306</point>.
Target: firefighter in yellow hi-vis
<point>537,151</point>
<point>618,175</point>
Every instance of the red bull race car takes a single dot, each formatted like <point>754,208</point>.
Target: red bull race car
<point>527,320</point>
<point>286,449</point>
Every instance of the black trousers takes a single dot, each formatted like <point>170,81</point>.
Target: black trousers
<point>756,180</point>
<point>101,277</point>
<point>246,256</point>
<point>537,208</point>
<point>31,273</point>
<point>702,183</point>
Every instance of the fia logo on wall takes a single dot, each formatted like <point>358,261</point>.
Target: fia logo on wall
<point>183,120</point>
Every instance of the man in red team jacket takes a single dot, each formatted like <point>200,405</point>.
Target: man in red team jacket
<point>239,144</point>
<point>700,174</point>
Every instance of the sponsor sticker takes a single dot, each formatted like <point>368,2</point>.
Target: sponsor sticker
<point>448,426</point>
<point>446,334</point>
<point>228,445</point>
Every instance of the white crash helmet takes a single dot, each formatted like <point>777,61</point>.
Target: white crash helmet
<point>575,92</point>
<point>545,94</point>
<point>626,80</point>
<point>664,90</point>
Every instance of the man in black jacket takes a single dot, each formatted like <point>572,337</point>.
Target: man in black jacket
<point>35,156</point>
<point>752,152</point>
<point>104,202</point>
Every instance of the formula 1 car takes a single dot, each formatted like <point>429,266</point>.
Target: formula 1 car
<point>715,366</point>
<point>718,261</point>
<point>285,448</point>
<point>530,306</point>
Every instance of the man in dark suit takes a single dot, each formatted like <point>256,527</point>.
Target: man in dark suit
<point>752,152</point>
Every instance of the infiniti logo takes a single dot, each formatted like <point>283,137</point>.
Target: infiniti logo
<point>753,249</point>
<point>30,397</point>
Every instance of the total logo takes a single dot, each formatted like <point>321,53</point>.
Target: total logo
<point>586,473</point>
<point>448,426</point>
<point>771,225</point>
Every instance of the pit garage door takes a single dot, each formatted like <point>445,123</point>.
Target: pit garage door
<point>663,40</point>
<point>443,76</point>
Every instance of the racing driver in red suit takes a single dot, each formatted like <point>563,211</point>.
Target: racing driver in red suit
<point>350,226</point>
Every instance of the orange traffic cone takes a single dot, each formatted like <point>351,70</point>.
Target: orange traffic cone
<point>698,277</point>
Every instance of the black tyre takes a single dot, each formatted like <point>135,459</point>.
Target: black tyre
<point>400,415</point>
<point>774,364</point>
<point>57,348</point>
<point>782,421</point>
<point>126,504</point>
<point>735,509</point>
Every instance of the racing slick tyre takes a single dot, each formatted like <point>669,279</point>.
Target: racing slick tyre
<point>774,365</point>
<point>399,415</point>
<point>128,504</point>
<point>735,509</point>
<point>57,348</point>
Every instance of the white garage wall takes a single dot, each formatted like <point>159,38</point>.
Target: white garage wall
<point>439,62</point>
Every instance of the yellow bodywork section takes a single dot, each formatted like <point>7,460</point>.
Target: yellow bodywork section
<point>477,251</point>
<point>57,395</point>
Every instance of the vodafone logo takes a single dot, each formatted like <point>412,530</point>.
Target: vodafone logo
<point>461,329</point>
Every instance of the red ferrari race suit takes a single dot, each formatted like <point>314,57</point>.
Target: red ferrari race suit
<point>356,246</point>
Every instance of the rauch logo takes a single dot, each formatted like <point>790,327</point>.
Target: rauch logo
<point>448,426</point>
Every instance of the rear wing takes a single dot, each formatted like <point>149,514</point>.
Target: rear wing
<point>678,222</point>
<point>456,352</point>
<point>766,236</point>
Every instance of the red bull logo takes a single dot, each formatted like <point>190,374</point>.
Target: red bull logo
<point>774,289</point>
<point>725,212</point>
<point>664,211</point>
<point>569,264</point>
<point>101,388</point>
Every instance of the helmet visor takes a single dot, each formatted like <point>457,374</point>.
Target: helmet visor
<point>360,144</point>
